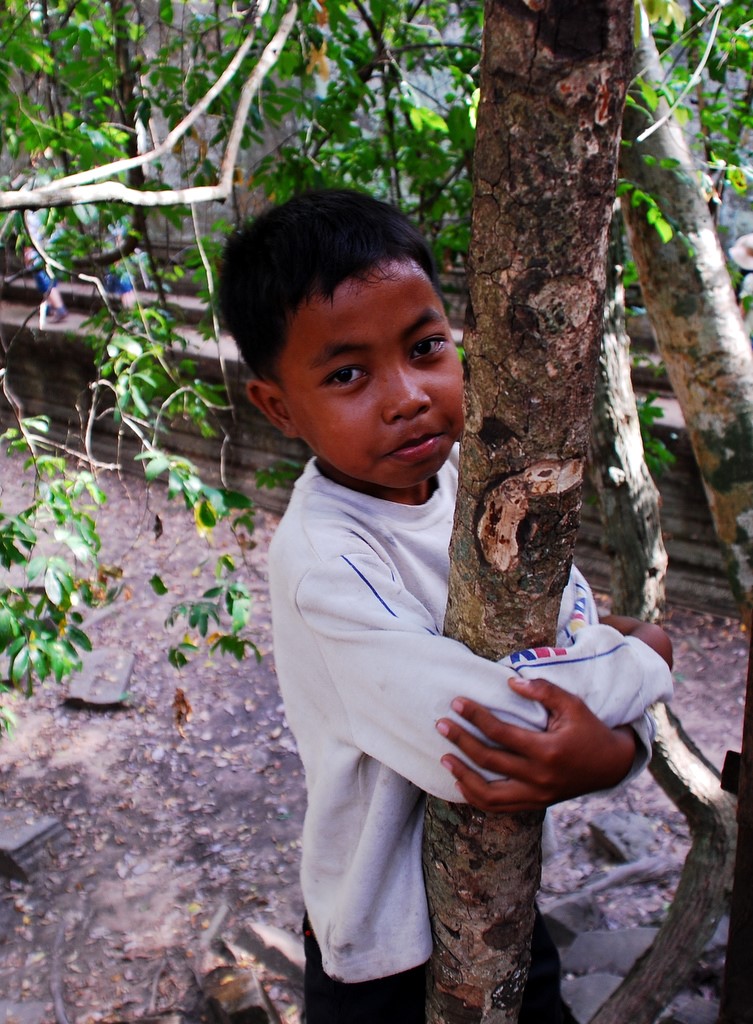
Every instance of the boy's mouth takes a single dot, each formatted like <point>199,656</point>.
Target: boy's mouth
<point>417,447</point>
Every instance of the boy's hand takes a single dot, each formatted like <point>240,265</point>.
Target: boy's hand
<point>651,634</point>
<point>576,754</point>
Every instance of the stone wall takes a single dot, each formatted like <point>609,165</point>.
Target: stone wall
<point>50,372</point>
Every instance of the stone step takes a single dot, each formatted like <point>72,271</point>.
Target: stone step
<point>25,841</point>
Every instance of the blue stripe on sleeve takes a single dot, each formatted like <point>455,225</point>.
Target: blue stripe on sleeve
<point>370,586</point>
<point>565,662</point>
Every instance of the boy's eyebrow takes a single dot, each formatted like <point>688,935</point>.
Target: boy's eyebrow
<point>336,349</point>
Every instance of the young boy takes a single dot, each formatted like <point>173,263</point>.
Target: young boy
<point>334,302</point>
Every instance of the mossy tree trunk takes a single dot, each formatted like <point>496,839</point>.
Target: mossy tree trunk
<point>629,507</point>
<point>629,499</point>
<point>689,298</point>
<point>553,81</point>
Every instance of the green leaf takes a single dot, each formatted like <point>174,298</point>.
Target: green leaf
<point>19,665</point>
<point>155,465</point>
<point>738,179</point>
<point>650,95</point>
<point>424,119</point>
<point>53,587</point>
<point>79,638</point>
<point>205,515</point>
<point>9,628</point>
<point>241,611</point>
<point>36,567</point>
<point>177,658</point>
<point>158,586</point>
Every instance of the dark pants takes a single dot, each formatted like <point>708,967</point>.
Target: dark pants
<point>399,999</point>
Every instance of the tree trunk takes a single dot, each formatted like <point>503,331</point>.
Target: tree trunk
<point>737,994</point>
<point>628,498</point>
<point>703,891</point>
<point>630,513</point>
<point>689,298</point>
<point>553,82</point>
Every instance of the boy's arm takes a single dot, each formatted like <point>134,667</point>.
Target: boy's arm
<point>538,768</point>
<point>651,635</point>
<point>577,753</point>
<point>387,676</point>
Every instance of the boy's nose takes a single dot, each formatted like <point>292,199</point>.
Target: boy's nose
<point>405,398</point>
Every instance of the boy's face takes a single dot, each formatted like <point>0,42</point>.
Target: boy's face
<point>371,380</point>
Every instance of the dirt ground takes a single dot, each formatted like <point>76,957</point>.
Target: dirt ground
<point>174,843</point>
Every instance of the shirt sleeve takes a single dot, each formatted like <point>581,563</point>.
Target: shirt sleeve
<point>395,675</point>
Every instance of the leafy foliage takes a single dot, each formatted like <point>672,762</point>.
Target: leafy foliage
<point>377,94</point>
<point>46,549</point>
<point>708,57</point>
<point>382,96</point>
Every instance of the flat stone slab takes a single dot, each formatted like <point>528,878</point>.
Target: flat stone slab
<point>612,951</point>
<point>277,949</point>
<point>237,996</point>
<point>624,835</point>
<point>694,1010</point>
<point>103,679</point>
<point>583,996</point>
<point>570,916</point>
<point>23,839</point>
<point>21,1013</point>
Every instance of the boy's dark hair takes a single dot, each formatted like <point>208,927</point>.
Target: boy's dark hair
<point>306,248</point>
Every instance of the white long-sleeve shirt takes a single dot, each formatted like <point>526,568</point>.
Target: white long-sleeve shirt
<point>359,588</point>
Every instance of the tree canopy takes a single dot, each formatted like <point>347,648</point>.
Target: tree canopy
<point>158,125</point>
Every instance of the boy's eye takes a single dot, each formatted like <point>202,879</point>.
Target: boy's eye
<point>429,346</point>
<point>345,376</point>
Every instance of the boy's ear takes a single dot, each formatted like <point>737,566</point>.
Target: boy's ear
<point>270,401</point>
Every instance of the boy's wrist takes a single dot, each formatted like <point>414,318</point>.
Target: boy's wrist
<point>624,749</point>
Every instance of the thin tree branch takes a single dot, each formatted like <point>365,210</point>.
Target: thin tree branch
<point>694,78</point>
<point>173,137</point>
<point>66,192</point>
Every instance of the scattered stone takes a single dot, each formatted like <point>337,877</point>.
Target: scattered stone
<point>611,951</point>
<point>237,997</point>
<point>21,1013</point>
<point>23,841</point>
<point>277,949</point>
<point>720,939</point>
<point>648,869</point>
<point>691,1009</point>
<point>570,916</point>
<point>583,996</point>
<point>623,835</point>
<point>103,679</point>
<point>215,924</point>
<point>167,1017</point>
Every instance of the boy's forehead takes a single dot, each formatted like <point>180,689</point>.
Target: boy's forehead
<point>380,280</point>
<point>394,298</point>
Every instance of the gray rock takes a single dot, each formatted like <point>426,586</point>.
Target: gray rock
<point>720,938</point>
<point>283,942</point>
<point>692,1009</point>
<point>103,679</point>
<point>21,1013</point>
<point>24,840</point>
<point>585,995</point>
<point>622,835</point>
<point>611,951</point>
<point>570,916</point>
<point>237,996</point>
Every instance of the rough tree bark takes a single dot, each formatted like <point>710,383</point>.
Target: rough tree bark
<point>553,81</point>
<point>737,994</point>
<point>628,497</point>
<point>703,890</point>
<point>630,513</point>
<point>689,298</point>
